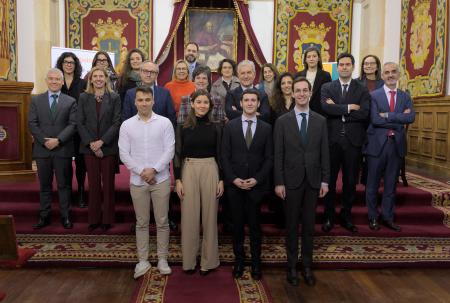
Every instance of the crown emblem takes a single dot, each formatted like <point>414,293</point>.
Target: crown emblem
<point>110,29</point>
<point>312,32</point>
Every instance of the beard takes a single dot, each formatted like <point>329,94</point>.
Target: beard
<point>190,58</point>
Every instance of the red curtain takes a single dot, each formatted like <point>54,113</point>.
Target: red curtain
<point>173,47</point>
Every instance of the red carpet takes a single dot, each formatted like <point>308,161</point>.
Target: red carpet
<point>217,287</point>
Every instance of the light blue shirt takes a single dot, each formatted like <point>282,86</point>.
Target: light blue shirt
<point>245,125</point>
<point>50,99</point>
<point>300,118</point>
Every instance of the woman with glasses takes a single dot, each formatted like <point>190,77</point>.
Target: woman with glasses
<point>102,60</point>
<point>98,122</point>
<point>73,86</point>
<point>313,71</point>
<point>130,73</point>
<point>370,75</point>
<point>180,85</point>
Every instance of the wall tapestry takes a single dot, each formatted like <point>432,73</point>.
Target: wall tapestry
<point>423,47</point>
<point>110,25</point>
<point>8,52</point>
<point>325,24</point>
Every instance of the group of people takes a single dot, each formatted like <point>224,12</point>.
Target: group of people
<point>291,134</point>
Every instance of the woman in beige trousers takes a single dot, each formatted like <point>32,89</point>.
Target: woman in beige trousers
<point>199,183</point>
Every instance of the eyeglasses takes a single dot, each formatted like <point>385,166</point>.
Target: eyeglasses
<point>149,72</point>
<point>181,68</point>
<point>69,62</point>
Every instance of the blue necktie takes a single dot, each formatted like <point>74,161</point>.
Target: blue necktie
<point>303,127</point>
<point>53,105</point>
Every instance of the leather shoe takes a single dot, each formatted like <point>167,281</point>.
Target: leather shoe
<point>43,222</point>
<point>189,271</point>
<point>66,223</point>
<point>327,226</point>
<point>205,272</point>
<point>390,224</point>
<point>238,270</point>
<point>256,272</point>
<point>172,225</point>
<point>373,224</point>
<point>92,227</point>
<point>81,199</point>
<point>307,274</point>
<point>349,226</point>
<point>292,277</point>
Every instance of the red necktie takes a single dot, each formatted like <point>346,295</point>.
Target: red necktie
<point>391,108</point>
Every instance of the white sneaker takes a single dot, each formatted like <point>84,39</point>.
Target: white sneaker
<point>141,268</point>
<point>163,267</point>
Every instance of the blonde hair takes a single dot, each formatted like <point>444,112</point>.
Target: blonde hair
<point>90,87</point>
<point>175,67</point>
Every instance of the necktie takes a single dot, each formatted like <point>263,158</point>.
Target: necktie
<point>303,127</point>
<point>344,90</point>
<point>248,133</point>
<point>392,101</point>
<point>53,105</point>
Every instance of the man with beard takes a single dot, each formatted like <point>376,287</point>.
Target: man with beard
<point>191,55</point>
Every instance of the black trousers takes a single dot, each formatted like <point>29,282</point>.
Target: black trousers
<point>62,169</point>
<point>300,206</point>
<point>246,204</point>
<point>80,165</point>
<point>345,156</point>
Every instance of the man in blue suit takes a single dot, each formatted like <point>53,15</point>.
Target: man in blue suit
<point>391,109</point>
<point>163,102</point>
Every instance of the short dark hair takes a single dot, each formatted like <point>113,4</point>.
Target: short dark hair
<point>226,60</point>
<point>346,55</point>
<point>251,91</point>
<point>301,79</point>
<point>144,89</point>
<point>193,43</point>
<point>202,69</point>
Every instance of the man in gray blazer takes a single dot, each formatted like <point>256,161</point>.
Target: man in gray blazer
<point>301,175</point>
<point>52,122</point>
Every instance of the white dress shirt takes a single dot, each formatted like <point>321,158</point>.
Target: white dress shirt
<point>147,144</point>
<point>245,124</point>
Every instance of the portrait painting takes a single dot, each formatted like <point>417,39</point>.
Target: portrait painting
<point>215,31</point>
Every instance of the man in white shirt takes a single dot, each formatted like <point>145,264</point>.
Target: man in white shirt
<point>146,145</point>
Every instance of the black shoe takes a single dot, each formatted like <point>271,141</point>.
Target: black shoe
<point>238,270</point>
<point>292,276</point>
<point>205,272</point>
<point>404,181</point>
<point>92,227</point>
<point>66,223</point>
<point>172,225</point>
<point>189,271</point>
<point>373,224</point>
<point>105,227</point>
<point>327,226</point>
<point>43,222</point>
<point>390,224</point>
<point>256,272</point>
<point>348,225</point>
<point>307,274</point>
<point>81,198</point>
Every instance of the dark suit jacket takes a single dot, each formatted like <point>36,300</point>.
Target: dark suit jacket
<point>105,128</point>
<point>295,162</point>
<point>238,161</point>
<point>163,104</point>
<point>233,98</point>
<point>43,125</point>
<point>378,128</point>
<point>322,77</point>
<point>355,121</point>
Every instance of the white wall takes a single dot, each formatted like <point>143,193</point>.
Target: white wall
<point>25,41</point>
<point>162,16</point>
<point>356,37</point>
<point>261,18</point>
<point>392,34</point>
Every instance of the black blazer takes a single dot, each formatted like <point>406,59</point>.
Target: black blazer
<point>105,128</point>
<point>356,121</point>
<point>233,98</point>
<point>238,161</point>
<point>43,125</point>
<point>295,162</point>
<point>322,77</point>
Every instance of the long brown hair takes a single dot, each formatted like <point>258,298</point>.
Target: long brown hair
<point>90,87</point>
<point>191,120</point>
<point>278,102</point>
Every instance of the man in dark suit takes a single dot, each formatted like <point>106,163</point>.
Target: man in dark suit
<point>191,54</point>
<point>301,174</point>
<point>246,74</point>
<point>163,101</point>
<point>390,110</point>
<point>247,155</point>
<point>346,103</point>
<point>52,122</point>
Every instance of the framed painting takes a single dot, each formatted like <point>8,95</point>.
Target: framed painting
<point>215,31</point>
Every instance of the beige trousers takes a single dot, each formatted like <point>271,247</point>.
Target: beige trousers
<point>199,178</point>
<point>142,196</point>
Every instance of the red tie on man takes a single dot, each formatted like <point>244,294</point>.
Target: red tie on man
<point>391,109</point>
